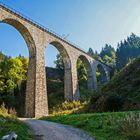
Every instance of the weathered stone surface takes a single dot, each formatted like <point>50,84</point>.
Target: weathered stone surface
<point>37,40</point>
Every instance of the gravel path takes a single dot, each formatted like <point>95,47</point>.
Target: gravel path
<point>45,130</point>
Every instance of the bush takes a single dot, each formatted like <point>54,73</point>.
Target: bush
<point>8,100</point>
<point>86,94</point>
<point>106,102</point>
<point>129,125</point>
<point>114,102</point>
<point>7,112</point>
<point>69,108</point>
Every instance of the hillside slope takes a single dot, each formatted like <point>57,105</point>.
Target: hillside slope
<point>122,92</point>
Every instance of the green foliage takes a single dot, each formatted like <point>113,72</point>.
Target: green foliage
<point>90,52</point>
<point>12,72</point>
<point>107,50</point>
<point>127,50</point>
<point>81,73</point>
<point>94,54</point>
<point>108,55</point>
<point>59,62</point>
<point>13,75</point>
<point>86,94</point>
<point>109,60</point>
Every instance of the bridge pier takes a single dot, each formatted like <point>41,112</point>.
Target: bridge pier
<point>90,81</point>
<point>30,87</point>
<point>75,86</point>
<point>41,101</point>
<point>68,84</point>
<point>36,94</point>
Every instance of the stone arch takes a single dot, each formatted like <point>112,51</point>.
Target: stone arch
<point>67,69</point>
<point>63,52</point>
<point>23,31</point>
<point>90,83</point>
<point>102,78</point>
<point>30,84</point>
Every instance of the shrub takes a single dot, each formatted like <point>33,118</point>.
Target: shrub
<point>7,112</point>
<point>86,94</point>
<point>114,102</point>
<point>68,108</point>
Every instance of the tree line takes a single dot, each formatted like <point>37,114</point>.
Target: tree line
<point>127,50</point>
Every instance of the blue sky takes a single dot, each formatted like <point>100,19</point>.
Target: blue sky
<point>89,23</point>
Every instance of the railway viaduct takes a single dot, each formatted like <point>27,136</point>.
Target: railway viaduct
<point>37,39</point>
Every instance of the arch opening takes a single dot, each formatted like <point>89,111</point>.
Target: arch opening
<point>17,64</point>
<point>85,77</point>
<point>23,31</point>
<point>101,75</point>
<point>58,74</point>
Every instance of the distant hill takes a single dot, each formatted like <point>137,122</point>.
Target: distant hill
<point>122,92</point>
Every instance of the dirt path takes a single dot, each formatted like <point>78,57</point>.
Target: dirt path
<point>53,131</point>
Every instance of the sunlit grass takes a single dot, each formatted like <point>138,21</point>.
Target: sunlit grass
<point>102,126</point>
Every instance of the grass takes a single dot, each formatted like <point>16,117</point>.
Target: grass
<point>9,123</point>
<point>101,126</point>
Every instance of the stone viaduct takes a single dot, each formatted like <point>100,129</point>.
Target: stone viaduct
<point>37,39</point>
